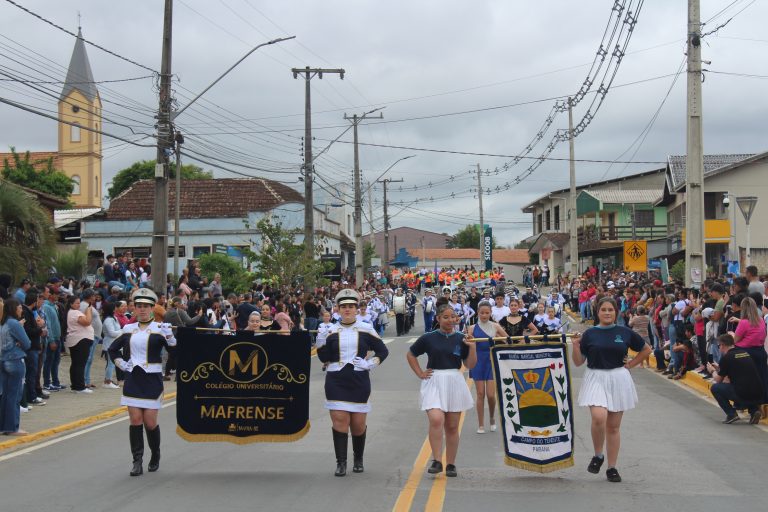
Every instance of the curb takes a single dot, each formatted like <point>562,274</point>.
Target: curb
<point>43,434</point>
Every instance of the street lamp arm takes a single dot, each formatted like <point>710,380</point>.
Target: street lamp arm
<point>273,41</point>
<point>386,171</point>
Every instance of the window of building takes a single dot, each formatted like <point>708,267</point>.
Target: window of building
<point>136,252</point>
<point>199,250</point>
<point>182,251</point>
<point>96,133</point>
<point>75,185</point>
<point>548,219</point>
<point>96,189</point>
<point>538,223</point>
<point>644,218</point>
<point>557,218</point>
<point>75,133</point>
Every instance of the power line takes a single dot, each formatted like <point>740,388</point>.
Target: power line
<point>497,155</point>
<point>41,18</point>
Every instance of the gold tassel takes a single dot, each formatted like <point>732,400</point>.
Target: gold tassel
<point>255,438</point>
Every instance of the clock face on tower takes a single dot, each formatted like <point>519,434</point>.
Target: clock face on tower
<point>75,109</point>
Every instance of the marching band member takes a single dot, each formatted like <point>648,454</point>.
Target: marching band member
<point>347,383</point>
<point>482,373</point>
<point>499,310</point>
<point>428,305</point>
<point>138,353</point>
<point>514,324</point>
<point>444,394</point>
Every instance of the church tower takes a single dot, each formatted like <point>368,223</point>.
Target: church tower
<point>80,148</point>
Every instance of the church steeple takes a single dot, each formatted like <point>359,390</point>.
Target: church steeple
<point>79,74</point>
<point>79,140</point>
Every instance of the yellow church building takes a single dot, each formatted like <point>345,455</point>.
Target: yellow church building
<point>79,141</point>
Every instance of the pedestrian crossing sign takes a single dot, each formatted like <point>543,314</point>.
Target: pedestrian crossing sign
<point>636,256</point>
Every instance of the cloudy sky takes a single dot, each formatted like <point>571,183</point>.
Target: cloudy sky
<point>474,81</point>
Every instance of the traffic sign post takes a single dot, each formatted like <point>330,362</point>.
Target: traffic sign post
<point>636,256</point>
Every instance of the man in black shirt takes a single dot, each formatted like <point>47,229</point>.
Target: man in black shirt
<point>736,380</point>
<point>244,310</point>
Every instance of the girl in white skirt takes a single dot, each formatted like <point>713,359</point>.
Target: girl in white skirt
<point>607,388</point>
<point>444,393</point>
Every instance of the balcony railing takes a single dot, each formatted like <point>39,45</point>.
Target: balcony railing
<point>592,236</point>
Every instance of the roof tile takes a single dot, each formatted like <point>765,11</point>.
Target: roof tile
<point>205,199</point>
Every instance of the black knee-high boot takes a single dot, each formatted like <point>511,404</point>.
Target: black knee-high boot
<point>153,439</point>
<point>358,447</point>
<point>340,446</point>
<point>136,435</point>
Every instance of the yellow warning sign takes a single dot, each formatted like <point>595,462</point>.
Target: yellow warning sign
<point>636,256</point>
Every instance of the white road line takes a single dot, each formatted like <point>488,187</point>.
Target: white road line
<point>411,340</point>
<point>45,444</point>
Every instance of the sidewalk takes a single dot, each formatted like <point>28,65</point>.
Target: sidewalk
<point>66,411</point>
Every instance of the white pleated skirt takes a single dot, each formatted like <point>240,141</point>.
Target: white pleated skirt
<point>612,389</point>
<point>446,390</point>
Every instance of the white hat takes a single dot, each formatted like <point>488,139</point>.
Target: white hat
<point>610,285</point>
<point>707,312</point>
<point>144,296</point>
<point>347,296</point>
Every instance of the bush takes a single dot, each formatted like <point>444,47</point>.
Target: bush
<point>234,278</point>
<point>677,272</point>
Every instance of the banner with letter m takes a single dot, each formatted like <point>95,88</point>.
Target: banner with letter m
<point>246,388</point>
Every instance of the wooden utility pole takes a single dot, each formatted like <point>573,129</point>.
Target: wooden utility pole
<point>309,209</point>
<point>164,149</point>
<point>573,241</point>
<point>386,222</point>
<point>482,227</point>
<point>695,266</point>
<point>358,215</point>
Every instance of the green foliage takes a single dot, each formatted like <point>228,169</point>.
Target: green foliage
<point>72,262</point>
<point>47,179</point>
<point>145,170</point>
<point>26,233</point>
<point>369,252</point>
<point>469,238</point>
<point>234,278</point>
<point>677,272</point>
<point>280,260</point>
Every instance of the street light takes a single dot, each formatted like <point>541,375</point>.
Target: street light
<point>385,172</point>
<point>747,207</point>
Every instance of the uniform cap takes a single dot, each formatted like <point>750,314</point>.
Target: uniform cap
<point>145,296</point>
<point>347,296</point>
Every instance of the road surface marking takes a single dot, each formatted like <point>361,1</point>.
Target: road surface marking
<point>68,436</point>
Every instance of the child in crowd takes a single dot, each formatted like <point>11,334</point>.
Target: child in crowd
<point>686,346</point>
<point>639,323</point>
<point>323,329</point>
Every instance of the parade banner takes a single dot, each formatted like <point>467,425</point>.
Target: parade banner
<point>534,389</point>
<point>242,387</point>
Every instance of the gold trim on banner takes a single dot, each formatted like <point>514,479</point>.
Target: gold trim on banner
<point>539,468</point>
<point>255,438</point>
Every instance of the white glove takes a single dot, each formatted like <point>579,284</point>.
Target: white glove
<point>126,366</point>
<point>364,364</point>
<point>166,330</point>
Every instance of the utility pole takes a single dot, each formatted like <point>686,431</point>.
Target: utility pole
<point>695,265</point>
<point>359,249</point>
<point>164,147</point>
<point>309,210</point>
<point>482,230</point>
<point>386,222</point>
<point>573,242</point>
<point>179,141</point>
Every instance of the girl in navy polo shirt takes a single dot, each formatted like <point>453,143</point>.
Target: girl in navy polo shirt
<point>607,388</point>
<point>444,393</point>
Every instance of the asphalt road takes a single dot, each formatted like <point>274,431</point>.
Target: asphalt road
<point>676,455</point>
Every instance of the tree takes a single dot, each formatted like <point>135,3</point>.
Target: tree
<point>145,170</point>
<point>26,234</point>
<point>677,272</point>
<point>44,179</point>
<point>234,278</point>
<point>280,260</point>
<point>369,252</point>
<point>72,262</point>
<point>469,238</point>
